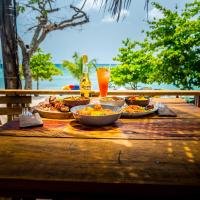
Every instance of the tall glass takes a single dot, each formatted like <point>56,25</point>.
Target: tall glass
<point>103,75</point>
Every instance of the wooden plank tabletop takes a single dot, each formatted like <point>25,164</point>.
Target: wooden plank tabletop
<point>133,156</point>
<point>129,129</point>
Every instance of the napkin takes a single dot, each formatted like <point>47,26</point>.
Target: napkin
<point>30,121</point>
<point>165,111</point>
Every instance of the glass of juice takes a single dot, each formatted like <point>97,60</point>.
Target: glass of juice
<point>103,75</point>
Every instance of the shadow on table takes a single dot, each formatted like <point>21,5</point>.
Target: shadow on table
<point>82,127</point>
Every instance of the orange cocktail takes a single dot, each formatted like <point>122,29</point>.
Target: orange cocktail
<point>103,75</point>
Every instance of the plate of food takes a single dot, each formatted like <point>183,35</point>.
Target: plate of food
<point>75,101</point>
<point>53,108</point>
<point>113,101</point>
<point>96,114</point>
<point>137,100</point>
<point>133,111</point>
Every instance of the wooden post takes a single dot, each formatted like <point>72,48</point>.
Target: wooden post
<point>8,34</point>
<point>197,101</point>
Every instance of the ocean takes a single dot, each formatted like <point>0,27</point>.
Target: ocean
<point>67,79</point>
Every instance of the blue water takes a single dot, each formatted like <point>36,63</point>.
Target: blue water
<point>67,79</point>
<point>1,76</point>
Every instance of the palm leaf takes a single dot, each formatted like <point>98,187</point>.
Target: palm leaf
<point>116,6</point>
<point>73,68</point>
<point>76,67</point>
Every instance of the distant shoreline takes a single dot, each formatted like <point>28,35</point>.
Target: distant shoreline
<point>67,79</point>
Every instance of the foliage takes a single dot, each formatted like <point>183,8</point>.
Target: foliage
<point>170,53</point>
<point>175,39</point>
<point>76,67</point>
<point>42,68</point>
<point>47,16</point>
<point>136,64</point>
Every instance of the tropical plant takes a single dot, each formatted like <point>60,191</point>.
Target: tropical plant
<point>44,25</point>
<point>42,68</point>
<point>44,13</point>
<point>170,53</point>
<point>75,68</point>
<point>175,40</point>
<point>114,6</point>
<point>136,64</point>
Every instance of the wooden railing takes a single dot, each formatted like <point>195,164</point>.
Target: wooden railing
<point>111,92</point>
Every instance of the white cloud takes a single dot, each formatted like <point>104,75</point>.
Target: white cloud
<point>155,13</point>
<point>110,19</point>
<point>91,5</point>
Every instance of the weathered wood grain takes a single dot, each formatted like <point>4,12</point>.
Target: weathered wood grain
<point>197,101</point>
<point>10,111</point>
<point>184,110</point>
<point>144,156</point>
<point>169,100</point>
<point>100,161</point>
<point>185,126</point>
<point>145,129</point>
<point>15,99</point>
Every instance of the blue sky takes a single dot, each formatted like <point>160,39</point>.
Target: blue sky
<point>102,36</point>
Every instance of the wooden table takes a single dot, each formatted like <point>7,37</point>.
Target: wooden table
<point>158,156</point>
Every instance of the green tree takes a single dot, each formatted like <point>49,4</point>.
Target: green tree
<point>75,68</point>
<point>42,68</point>
<point>175,40</point>
<point>47,17</point>
<point>170,53</point>
<point>136,64</point>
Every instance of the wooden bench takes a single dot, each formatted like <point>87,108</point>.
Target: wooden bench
<point>12,105</point>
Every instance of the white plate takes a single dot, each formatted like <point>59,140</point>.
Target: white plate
<point>139,114</point>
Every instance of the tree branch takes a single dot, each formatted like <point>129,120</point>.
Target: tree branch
<point>44,26</point>
<point>74,21</point>
<point>33,8</point>
<point>37,42</point>
<point>42,37</point>
<point>34,39</point>
<point>53,10</point>
<point>42,21</point>
<point>21,44</point>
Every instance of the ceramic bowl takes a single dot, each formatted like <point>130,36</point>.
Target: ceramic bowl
<point>112,101</point>
<point>70,102</point>
<point>101,120</point>
<point>137,102</point>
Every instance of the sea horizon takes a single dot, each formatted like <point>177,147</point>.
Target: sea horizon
<point>60,81</point>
